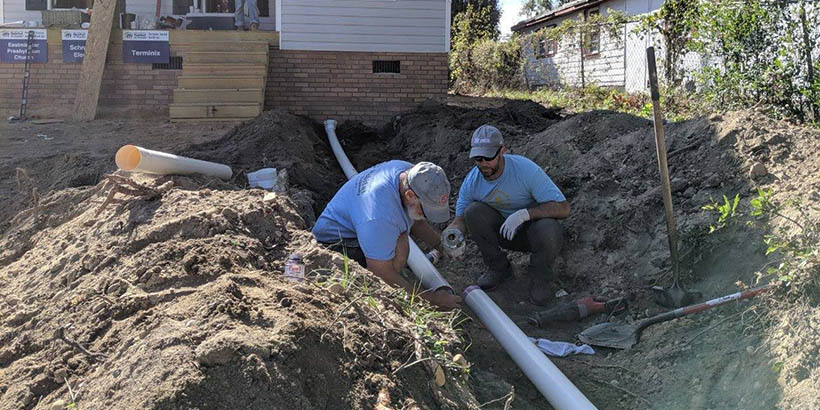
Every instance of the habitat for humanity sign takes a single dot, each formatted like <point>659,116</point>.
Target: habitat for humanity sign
<point>74,45</point>
<point>145,46</point>
<point>13,45</point>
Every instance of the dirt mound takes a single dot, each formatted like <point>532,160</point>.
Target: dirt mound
<point>176,301</point>
<point>278,139</point>
<point>605,163</point>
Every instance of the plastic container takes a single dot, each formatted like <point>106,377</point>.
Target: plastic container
<point>295,268</point>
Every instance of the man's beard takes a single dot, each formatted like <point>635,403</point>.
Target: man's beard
<point>489,171</point>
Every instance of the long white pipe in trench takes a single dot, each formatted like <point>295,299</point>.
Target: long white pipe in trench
<point>547,378</point>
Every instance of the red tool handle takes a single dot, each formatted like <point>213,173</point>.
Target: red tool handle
<point>700,307</point>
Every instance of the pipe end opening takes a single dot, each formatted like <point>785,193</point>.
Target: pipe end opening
<point>128,157</point>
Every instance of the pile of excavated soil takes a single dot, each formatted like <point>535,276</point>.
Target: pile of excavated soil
<point>616,244</point>
<point>175,299</point>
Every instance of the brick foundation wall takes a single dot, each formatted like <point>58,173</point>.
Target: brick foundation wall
<point>342,85</point>
<point>127,89</point>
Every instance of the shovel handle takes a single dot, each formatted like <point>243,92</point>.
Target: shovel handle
<point>700,307</point>
<point>660,145</point>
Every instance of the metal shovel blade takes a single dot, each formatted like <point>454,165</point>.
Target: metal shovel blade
<point>675,296</point>
<point>615,335</point>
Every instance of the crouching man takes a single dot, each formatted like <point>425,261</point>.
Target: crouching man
<point>507,201</point>
<point>371,216</point>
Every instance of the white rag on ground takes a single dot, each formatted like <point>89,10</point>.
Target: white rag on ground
<point>560,349</point>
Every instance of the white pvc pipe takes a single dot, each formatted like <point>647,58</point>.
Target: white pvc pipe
<point>133,158</point>
<point>424,270</point>
<point>547,378</point>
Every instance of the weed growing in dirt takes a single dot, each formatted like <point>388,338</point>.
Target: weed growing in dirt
<point>593,97</point>
<point>726,211</point>
<point>794,244</point>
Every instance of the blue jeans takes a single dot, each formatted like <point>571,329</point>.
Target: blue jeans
<point>239,14</point>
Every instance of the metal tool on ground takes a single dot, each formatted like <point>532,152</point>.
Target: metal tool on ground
<point>624,335</point>
<point>675,296</point>
<point>576,310</point>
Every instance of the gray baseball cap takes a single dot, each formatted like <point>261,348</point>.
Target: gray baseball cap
<point>430,184</point>
<point>486,141</point>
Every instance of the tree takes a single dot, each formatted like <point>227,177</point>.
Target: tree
<point>489,10</point>
<point>532,8</point>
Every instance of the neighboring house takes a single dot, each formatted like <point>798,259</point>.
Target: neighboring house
<point>606,61</point>
<point>348,59</point>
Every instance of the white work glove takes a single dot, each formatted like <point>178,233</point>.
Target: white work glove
<point>433,256</point>
<point>514,222</point>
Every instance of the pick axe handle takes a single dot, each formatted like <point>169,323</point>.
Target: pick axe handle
<point>660,145</point>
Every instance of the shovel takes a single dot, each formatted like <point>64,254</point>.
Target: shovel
<point>675,296</point>
<point>624,335</point>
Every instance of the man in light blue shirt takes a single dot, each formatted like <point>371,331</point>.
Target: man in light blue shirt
<point>371,216</point>
<point>508,201</point>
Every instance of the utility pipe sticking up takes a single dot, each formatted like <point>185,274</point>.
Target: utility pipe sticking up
<point>546,377</point>
<point>133,158</point>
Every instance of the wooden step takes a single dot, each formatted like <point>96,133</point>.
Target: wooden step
<point>214,111</point>
<point>224,57</point>
<point>243,46</point>
<point>220,81</point>
<point>214,95</point>
<point>224,70</point>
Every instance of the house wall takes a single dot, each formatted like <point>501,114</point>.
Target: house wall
<point>16,10</point>
<point>375,26</point>
<point>341,85</point>
<point>612,66</point>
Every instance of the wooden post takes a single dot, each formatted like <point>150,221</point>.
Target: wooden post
<point>810,65</point>
<point>96,49</point>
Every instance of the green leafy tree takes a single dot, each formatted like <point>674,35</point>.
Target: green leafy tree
<point>489,9</point>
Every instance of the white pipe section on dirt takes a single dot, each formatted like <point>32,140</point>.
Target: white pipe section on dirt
<point>134,158</point>
<point>547,378</point>
<point>419,264</point>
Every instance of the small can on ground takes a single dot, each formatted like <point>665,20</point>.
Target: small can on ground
<point>295,268</point>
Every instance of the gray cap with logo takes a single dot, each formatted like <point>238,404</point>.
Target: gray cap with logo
<point>430,184</point>
<point>486,141</point>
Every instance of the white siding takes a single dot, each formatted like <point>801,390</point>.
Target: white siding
<point>621,61</point>
<point>376,25</point>
<point>16,10</point>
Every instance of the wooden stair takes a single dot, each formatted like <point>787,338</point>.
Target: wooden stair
<point>221,81</point>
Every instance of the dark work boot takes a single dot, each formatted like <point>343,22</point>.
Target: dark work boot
<point>492,278</point>
<point>540,291</point>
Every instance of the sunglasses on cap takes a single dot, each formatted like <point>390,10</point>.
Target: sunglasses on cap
<point>486,159</point>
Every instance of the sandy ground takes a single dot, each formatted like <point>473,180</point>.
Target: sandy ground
<point>178,295</point>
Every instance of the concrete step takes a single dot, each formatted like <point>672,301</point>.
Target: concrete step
<point>213,111</point>
<point>215,95</point>
<point>210,46</point>
<point>221,81</point>
<point>225,57</point>
<point>224,69</point>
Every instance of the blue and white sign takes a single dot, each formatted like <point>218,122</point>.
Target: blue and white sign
<point>13,45</point>
<point>145,46</point>
<point>74,45</point>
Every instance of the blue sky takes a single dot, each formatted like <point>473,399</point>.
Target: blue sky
<point>509,15</point>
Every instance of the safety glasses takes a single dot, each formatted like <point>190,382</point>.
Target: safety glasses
<point>485,159</point>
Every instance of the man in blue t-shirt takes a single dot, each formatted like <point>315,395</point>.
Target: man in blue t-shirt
<point>508,201</point>
<point>371,216</point>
